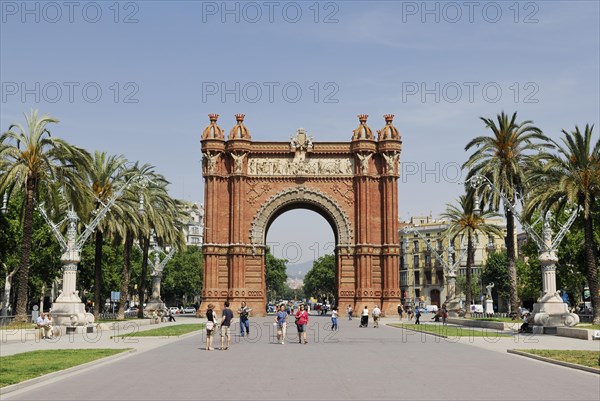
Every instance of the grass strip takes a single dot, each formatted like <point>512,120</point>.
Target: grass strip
<point>167,331</point>
<point>578,357</point>
<point>28,365</point>
<point>451,331</point>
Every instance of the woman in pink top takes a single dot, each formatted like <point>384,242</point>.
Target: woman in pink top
<point>301,322</point>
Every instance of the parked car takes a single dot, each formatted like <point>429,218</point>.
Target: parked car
<point>477,308</point>
<point>189,309</point>
<point>174,310</point>
<point>431,308</point>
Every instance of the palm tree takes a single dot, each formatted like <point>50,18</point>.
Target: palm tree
<point>105,171</point>
<point>572,177</point>
<point>464,220</point>
<point>31,160</point>
<point>502,158</point>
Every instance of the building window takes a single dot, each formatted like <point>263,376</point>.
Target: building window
<point>417,279</point>
<point>428,261</point>
<point>416,246</point>
<point>428,278</point>
<point>404,278</point>
<point>416,261</point>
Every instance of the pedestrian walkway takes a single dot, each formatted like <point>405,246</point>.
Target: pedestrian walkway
<point>353,363</point>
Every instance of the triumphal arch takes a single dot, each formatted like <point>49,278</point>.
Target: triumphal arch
<point>353,185</point>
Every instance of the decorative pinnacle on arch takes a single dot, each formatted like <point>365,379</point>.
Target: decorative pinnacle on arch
<point>240,117</point>
<point>388,118</point>
<point>363,118</point>
<point>213,117</point>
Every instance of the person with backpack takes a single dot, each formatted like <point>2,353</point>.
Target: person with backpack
<point>244,312</point>
<point>417,315</point>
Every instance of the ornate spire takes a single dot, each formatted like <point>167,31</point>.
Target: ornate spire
<point>239,131</point>
<point>363,131</point>
<point>389,131</point>
<point>213,131</point>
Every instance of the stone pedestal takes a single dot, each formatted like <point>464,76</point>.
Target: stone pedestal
<point>489,307</point>
<point>68,310</point>
<point>551,311</point>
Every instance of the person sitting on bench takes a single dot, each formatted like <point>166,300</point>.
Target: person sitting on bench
<point>45,323</point>
<point>525,324</point>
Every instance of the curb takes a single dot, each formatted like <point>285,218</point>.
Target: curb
<point>554,361</point>
<point>49,376</point>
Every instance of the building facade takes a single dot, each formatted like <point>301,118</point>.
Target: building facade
<point>423,279</point>
<point>193,226</point>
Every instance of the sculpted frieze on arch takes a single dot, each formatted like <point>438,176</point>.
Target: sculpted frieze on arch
<point>287,166</point>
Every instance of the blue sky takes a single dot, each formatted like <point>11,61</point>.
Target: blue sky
<point>161,67</point>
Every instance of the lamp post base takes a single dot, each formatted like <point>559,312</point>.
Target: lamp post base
<point>68,313</point>
<point>551,311</point>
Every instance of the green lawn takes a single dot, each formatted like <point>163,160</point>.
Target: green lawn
<point>498,319</point>
<point>18,326</point>
<point>167,331</point>
<point>588,326</point>
<point>585,358</point>
<point>20,367</point>
<point>451,331</point>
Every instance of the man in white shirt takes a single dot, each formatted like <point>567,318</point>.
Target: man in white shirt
<point>44,323</point>
<point>376,314</point>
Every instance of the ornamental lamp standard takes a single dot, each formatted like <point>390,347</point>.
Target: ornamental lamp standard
<point>549,310</point>
<point>4,208</point>
<point>68,310</point>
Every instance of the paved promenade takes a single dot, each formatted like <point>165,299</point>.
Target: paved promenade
<point>354,363</point>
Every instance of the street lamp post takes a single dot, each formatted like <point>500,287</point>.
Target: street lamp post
<point>452,302</point>
<point>67,309</point>
<point>550,309</point>
<point>155,303</point>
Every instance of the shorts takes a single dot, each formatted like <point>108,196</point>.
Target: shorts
<point>225,332</point>
<point>210,332</point>
<point>300,328</point>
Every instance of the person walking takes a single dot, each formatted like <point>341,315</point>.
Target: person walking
<point>376,315</point>
<point>409,313</point>
<point>281,323</point>
<point>244,313</point>
<point>170,315</point>
<point>334,318</point>
<point>226,319</point>
<point>301,322</point>
<point>444,314</point>
<point>400,311</point>
<point>417,316</point>
<point>211,326</point>
<point>349,310</point>
<point>364,317</point>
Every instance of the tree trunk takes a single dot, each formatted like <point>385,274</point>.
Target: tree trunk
<point>468,294</point>
<point>143,279</point>
<point>98,301</point>
<point>21,315</point>
<point>7,286</point>
<point>591,266</point>
<point>514,302</point>
<point>125,275</point>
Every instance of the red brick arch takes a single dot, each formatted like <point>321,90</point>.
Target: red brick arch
<point>354,185</point>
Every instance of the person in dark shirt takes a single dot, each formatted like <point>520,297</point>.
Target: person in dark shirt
<point>225,326</point>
